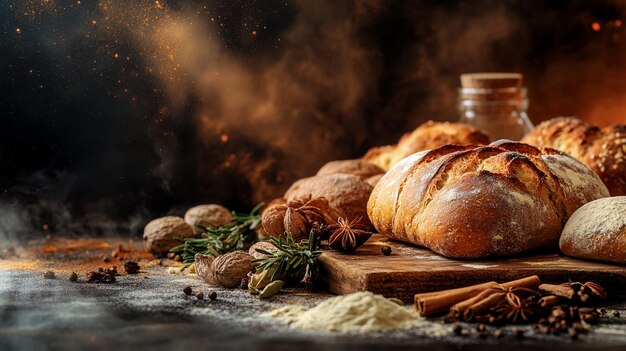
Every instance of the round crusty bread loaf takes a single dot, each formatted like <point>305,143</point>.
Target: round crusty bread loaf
<point>601,149</point>
<point>597,231</point>
<point>427,136</point>
<point>473,202</point>
<point>347,194</point>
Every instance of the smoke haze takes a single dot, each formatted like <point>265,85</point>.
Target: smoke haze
<point>117,111</point>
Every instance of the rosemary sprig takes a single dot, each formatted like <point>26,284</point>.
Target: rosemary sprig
<point>218,241</point>
<point>290,258</point>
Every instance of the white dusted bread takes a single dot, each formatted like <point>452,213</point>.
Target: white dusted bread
<point>597,231</point>
<point>473,202</point>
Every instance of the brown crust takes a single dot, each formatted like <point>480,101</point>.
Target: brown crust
<point>471,202</point>
<point>356,167</point>
<point>429,135</point>
<point>602,150</point>
<point>347,194</point>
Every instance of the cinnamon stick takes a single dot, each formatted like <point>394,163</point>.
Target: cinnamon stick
<point>529,282</point>
<point>549,301</point>
<point>432,303</point>
<point>428,304</point>
<point>458,309</point>
<point>483,305</point>
<point>558,290</point>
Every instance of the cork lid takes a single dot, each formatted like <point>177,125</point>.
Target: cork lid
<point>491,80</point>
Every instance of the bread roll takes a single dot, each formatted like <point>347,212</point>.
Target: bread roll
<point>474,202</point>
<point>347,194</point>
<point>597,231</point>
<point>356,167</point>
<point>428,136</point>
<point>601,149</point>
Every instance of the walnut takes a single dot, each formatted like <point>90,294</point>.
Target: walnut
<point>161,234</point>
<point>204,269</point>
<point>208,216</point>
<point>297,216</point>
<point>263,245</point>
<point>226,270</point>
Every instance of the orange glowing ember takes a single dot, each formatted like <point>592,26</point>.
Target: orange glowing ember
<point>596,26</point>
<point>224,138</point>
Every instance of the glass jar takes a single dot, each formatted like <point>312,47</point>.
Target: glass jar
<point>495,105</point>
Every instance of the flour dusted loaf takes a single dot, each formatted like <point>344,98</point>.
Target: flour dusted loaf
<point>601,149</point>
<point>473,202</point>
<point>427,136</point>
<point>597,231</point>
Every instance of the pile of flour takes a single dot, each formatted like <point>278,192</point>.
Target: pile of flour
<point>354,313</point>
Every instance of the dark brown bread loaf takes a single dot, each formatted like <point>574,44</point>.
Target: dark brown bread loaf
<point>473,202</point>
<point>601,149</point>
<point>427,136</point>
<point>597,231</point>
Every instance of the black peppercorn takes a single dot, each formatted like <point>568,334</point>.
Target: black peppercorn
<point>212,295</point>
<point>457,329</point>
<point>200,295</point>
<point>386,250</point>
<point>49,275</point>
<point>131,267</point>
<point>73,277</point>
<point>187,290</point>
<point>616,314</point>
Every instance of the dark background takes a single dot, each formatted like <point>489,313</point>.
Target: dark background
<point>113,112</point>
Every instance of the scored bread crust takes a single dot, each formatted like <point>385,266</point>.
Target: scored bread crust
<point>427,136</point>
<point>601,149</point>
<point>473,202</point>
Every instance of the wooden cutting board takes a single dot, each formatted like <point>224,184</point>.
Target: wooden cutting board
<point>410,269</point>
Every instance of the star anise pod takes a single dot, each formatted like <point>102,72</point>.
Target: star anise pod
<point>519,305</point>
<point>347,235</point>
<point>296,217</point>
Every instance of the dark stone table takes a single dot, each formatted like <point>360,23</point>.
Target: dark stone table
<point>150,311</point>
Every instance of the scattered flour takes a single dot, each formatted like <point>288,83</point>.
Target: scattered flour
<point>479,266</point>
<point>354,313</point>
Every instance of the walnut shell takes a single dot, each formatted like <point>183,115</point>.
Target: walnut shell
<point>273,221</point>
<point>231,268</point>
<point>358,167</point>
<point>296,224</point>
<point>347,194</point>
<point>161,234</point>
<point>263,245</point>
<point>204,269</point>
<point>210,216</point>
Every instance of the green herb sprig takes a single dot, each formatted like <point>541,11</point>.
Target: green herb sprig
<point>218,241</point>
<point>295,260</point>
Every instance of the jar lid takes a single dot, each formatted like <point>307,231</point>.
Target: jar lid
<point>491,80</point>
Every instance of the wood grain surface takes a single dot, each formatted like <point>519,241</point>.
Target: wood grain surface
<point>410,269</point>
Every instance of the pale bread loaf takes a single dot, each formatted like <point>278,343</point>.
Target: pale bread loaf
<point>597,231</point>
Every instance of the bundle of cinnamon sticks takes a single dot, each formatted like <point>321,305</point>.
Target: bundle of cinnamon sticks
<point>470,300</point>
